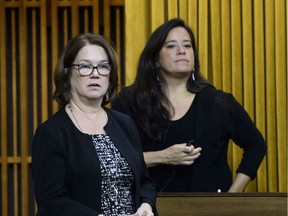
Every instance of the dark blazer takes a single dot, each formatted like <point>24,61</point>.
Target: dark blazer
<point>219,118</point>
<point>66,168</point>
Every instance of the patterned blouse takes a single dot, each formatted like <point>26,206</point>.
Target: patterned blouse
<point>117,178</point>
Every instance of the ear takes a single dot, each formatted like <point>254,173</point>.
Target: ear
<point>66,70</point>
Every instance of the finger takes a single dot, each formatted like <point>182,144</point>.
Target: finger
<point>189,159</point>
<point>197,150</point>
<point>189,149</point>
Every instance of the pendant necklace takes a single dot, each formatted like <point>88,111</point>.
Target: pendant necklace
<point>70,108</point>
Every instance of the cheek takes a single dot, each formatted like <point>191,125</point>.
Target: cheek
<point>165,59</point>
<point>106,82</point>
<point>77,83</point>
<point>192,57</point>
<point>73,83</point>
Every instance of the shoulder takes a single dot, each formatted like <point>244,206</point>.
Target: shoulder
<point>215,96</point>
<point>51,133</point>
<point>54,124</point>
<point>212,95</point>
<point>119,117</point>
<point>219,103</point>
<point>121,123</point>
<point>123,94</point>
<point>57,118</point>
<point>116,114</point>
<point>211,92</point>
<point>122,101</point>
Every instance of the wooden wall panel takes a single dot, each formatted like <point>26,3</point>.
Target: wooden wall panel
<point>222,204</point>
<point>3,114</point>
<point>33,33</point>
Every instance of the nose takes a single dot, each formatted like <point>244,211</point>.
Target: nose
<point>95,72</point>
<point>180,50</point>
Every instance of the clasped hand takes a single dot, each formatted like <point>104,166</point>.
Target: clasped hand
<point>181,154</point>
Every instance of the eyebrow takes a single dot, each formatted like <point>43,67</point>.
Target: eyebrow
<point>89,61</point>
<point>172,41</point>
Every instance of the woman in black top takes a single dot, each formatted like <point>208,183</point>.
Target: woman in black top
<point>87,159</point>
<point>172,105</point>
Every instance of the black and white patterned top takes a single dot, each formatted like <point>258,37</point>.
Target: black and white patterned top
<point>117,178</point>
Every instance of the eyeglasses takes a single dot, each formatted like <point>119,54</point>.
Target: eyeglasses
<point>87,69</point>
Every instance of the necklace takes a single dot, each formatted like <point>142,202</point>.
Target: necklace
<point>98,112</point>
<point>70,108</point>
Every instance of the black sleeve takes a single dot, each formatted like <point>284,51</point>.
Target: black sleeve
<point>245,134</point>
<point>147,190</point>
<point>49,172</point>
<point>148,186</point>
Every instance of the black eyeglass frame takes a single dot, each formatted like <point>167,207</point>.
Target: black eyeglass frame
<point>93,68</point>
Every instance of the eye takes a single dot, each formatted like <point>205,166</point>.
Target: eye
<point>170,46</point>
<point>188,45</point>
<point>104,66</point>
<point>85,66</point>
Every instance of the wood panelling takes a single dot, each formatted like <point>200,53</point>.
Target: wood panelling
<point>223,204</point>
<point>33,33</point>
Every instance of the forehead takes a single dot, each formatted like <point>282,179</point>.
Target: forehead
<point>91,52</point>
<point>178,33</point>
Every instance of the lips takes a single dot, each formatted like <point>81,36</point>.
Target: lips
<point>179,60</point>
<point>94,85</point>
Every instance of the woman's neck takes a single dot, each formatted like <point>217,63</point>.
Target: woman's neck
<point>175,89</point>
<point>85,109</point>
<point>90,120</point>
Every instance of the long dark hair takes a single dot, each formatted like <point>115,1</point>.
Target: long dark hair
<point>62,77</point>
<point>149,103</point>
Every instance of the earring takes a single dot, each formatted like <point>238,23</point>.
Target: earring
<point>193,74</point>
<point>157,77</point>
<point>106,97</point>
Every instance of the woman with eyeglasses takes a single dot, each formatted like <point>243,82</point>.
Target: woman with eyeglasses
<point>87,159</point>
<point>185,123</point>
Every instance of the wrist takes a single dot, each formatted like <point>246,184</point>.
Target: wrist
<point>147,206</point>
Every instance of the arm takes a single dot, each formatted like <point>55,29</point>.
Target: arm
<point>246,135</point>
<point>178,154</point>
<point>239,183</point>
<point>49,176</point>
<point>145,187</point>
